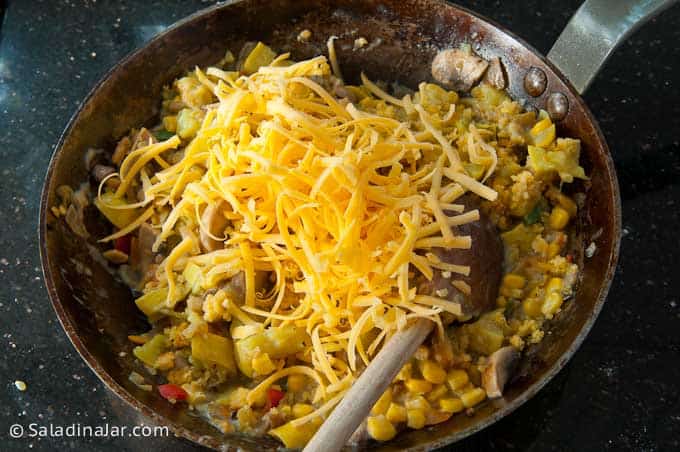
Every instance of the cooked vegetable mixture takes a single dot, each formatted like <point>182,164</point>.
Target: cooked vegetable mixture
<point>280,225</point>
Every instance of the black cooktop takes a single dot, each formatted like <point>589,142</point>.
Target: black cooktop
<point>620,390</point>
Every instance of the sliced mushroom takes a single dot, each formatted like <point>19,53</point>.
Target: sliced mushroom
<point>495,75</point>
<point>215,222</point>
<point>236,287</point>
<point>485,259</point>
<point>122,149</point>
<point>143,138</point>
<point>141,255</point>
<point>502,364</point>
<point>99,172</point>
<point>75,214</point>
<point>458,69</point>
<point>93,157</point>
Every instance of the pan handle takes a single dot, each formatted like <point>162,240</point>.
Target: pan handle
<point>593,33</point>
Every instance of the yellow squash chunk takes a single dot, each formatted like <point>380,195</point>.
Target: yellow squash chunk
<point>380,429</point>
<point>293,436</point>
<point>486,334</point>
<point>118,217</point>
<point>261,55</point>
<point>194,277</point>
<point>213,349</point>
<point>262,364</point>
<point>474,170</point>
<point>193,92</point>
<point>149,352</point>
<point>188,123</point>
<point>521,236</point>
<point>277,342</point>
<point>152,302</point>
<point>564,161</point>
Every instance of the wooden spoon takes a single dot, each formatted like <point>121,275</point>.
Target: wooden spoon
<point>357,403</point>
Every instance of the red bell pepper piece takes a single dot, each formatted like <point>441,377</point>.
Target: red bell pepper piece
<point>172,392</point>
<point>122,244</point>
<point>274,397</point>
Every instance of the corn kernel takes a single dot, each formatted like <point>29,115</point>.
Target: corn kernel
<point>296,382</point>
<point>511,293</point>
<point>554,285</point>
<point>262,364</point>
<point>552,303</point>
<point>246,417</point>
<point>554,249</point>
<point>418,386</point>
<point>452,405</point>
<point>301,409</point>
<point>437,393</point>
<point>380,429</point>
<point>532,307</point>
<point>501,301</point>
<point>170,123</point>
<point>457,378</point>
<point>415,418</point>
<point>383,403</point>
<point>514,281</point>
<point>418,402</point>
<point>405,372</point>
<point>559,218</point>
<point>472,397</point>
<point>432,372</point>
<point>396,413</point>
<point>564,201</point>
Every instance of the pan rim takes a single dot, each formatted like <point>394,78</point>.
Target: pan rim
<point>179,430</point>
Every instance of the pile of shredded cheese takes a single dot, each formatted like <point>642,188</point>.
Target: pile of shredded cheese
<point>329,198</point>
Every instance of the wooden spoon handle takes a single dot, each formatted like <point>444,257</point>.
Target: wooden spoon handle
<point>358,401</point>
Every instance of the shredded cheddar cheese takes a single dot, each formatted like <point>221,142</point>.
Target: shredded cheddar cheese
<point>326,196</point>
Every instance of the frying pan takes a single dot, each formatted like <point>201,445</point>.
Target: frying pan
<point>97,311</point>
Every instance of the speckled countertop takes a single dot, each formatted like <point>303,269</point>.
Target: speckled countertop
<point>619,392</point>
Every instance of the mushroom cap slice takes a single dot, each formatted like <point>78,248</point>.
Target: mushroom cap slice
<point>458,69</point>
<point>501,366</point>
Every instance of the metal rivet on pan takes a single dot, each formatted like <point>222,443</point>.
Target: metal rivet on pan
<point>558,106</point>
<point>535,82</point>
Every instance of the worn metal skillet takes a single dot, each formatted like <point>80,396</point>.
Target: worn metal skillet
<point>97,312</point>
